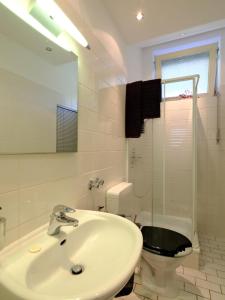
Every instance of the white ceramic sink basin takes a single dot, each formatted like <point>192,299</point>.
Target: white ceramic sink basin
<point>106,245</point>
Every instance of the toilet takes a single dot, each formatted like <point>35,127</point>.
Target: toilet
<point>163,249</point>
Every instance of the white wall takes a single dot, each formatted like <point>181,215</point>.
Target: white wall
<point>134,63</point>
<point>211,156</point>
<point>30,185</point>
<point>95,15</point>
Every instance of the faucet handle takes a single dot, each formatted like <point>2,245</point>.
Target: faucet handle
<point>61,209</point>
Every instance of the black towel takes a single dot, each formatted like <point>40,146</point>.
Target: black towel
<point>133,116</point>
<point>151,95</point>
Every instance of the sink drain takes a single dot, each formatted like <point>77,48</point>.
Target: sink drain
<point>77,269</point>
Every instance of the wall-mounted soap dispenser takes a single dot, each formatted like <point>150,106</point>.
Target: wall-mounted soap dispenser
<point>2,231</point>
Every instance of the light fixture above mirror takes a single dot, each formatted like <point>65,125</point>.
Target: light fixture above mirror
<point>46,17</point>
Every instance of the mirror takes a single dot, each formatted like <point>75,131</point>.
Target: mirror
<point>38,91</point>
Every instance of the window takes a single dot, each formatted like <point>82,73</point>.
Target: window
<point>66,129</point>
<point>201,60</point>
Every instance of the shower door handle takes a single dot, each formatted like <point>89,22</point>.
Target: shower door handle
<point>134,158</point>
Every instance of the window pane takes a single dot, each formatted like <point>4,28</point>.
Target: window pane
<point>186,66</point>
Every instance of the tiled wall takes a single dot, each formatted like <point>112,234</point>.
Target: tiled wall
<point>211,167</point>
<point>30,185</point>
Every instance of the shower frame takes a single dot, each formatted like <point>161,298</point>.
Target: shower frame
<point>195,81</point>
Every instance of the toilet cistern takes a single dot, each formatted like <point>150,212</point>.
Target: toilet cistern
<point>59,218</point>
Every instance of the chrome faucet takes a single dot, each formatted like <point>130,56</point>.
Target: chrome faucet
<point>59,218</point>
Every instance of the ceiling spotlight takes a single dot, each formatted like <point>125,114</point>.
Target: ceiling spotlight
<point>139,15</point>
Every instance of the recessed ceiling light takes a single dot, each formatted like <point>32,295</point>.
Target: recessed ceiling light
<point>182,34</point>
<point>139,15</point>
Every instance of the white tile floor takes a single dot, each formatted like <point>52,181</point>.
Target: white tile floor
<point>206,283</point>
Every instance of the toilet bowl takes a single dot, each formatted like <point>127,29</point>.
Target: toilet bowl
<point>163,251</point>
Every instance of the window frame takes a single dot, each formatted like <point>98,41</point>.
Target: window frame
<point>212,49</point>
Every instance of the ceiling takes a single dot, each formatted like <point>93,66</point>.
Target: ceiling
<point>162,17</point>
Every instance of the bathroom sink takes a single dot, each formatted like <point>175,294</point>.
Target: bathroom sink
<point>38,267</point>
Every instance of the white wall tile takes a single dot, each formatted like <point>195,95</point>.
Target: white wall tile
<point>216,296</point>
<point>9,173</point>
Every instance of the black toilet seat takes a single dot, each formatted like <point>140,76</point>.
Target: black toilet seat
<point>164,241</point>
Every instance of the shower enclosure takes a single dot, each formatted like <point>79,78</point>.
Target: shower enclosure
<point>163,162</point>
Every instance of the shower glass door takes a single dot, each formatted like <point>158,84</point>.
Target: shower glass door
<point>172,188</point>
